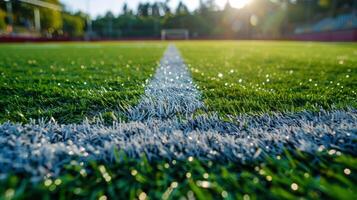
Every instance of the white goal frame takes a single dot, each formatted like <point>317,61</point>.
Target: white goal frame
<point>175,34</point>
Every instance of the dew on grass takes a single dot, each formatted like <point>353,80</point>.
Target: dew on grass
<point>58,181</point>
<point>102,169</point>
<point>205,175</point>
<point>190,195</point>
<point>48,182</point>
<point>142,196</point>
<point>83,172</point>
<point>294,186</point>
<point>261,172</point>
<point>9,193</point>
<point>246,197</point>
<point>166,165</point>
<point>188,175</point>
<point>78,191</point>
<point>255,180</point>
<point>347,171</point>
<point>103,197</point>
<point>174,184</point>
<point>224,194</point>
<point>134,172</point>
<point>107,177</point>
<point>269,178</point>
<point>203,184</point>
<point>220,75</point>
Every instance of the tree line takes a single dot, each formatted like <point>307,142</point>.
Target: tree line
<point>53,23</point>
<point>259,18</point>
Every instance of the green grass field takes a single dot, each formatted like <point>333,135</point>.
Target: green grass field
<point>259,77</point>
<point>72,81</point>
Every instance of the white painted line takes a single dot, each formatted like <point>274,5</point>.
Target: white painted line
<point>170,93</point>
<point>159,131</point>
<point>43,147</point>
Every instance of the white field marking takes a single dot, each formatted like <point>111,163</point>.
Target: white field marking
<point>42,148</point>
<point>171,92</point>
<point>35,46</point>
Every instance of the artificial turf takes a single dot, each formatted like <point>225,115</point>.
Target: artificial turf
<point>72,81</point>
<point>233,78</point>
<point>289,176</point>
<point>261,76</point>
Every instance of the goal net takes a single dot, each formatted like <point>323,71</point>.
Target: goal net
<point>174,34</point>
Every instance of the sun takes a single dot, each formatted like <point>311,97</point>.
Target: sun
<point>234,3</point>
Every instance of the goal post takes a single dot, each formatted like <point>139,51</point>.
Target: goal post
<point>175,34</point>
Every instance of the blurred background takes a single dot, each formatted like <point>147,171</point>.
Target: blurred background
<point>66,20</point>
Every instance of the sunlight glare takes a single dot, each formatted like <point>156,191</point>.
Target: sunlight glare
<point>234,3</point>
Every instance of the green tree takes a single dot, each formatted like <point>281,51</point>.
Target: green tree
<point>2,19</point>
<point>144,9</point>
<point>165,7</point>
<point>51,20</point>
<point>73,25</point>
<point>181,8</point>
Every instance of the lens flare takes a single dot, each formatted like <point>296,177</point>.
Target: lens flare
<point>233,3</point>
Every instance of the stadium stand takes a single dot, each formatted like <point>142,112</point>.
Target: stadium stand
<point>341,22</point>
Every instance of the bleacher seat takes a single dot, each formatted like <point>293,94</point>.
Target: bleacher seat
<point>341,22</point>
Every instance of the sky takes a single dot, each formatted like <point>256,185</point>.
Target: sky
<point>100,7</point>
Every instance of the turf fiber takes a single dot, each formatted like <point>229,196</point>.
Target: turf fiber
<point>72,81</point>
